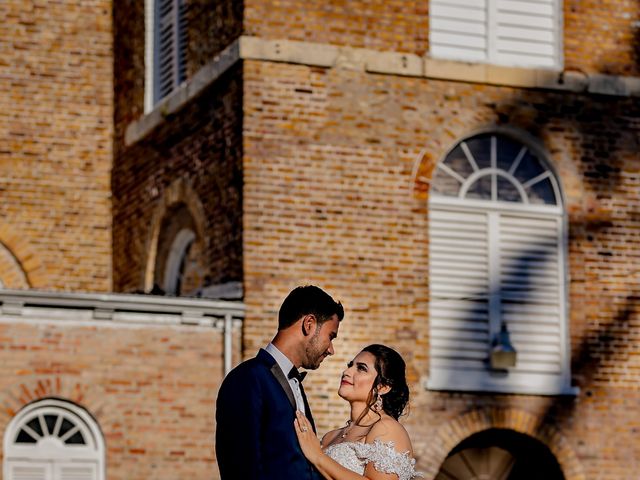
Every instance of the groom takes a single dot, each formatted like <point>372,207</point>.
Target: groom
<point>255,438</point>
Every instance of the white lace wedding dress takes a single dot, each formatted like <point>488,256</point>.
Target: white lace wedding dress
<point>355,456</point>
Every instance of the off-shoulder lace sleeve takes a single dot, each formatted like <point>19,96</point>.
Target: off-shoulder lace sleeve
<point>386,459</point>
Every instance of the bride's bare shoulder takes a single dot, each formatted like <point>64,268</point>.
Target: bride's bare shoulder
<point>388,429</point>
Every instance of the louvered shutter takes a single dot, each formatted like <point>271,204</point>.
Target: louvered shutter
<point>76,471</point>
<point>171,45</point>
<point>531,291</point>
<point>510,32</point>
<point>459,306</point>
<point>29,471</point>
<point>526,32</point>
<point>486,268</point>
<point>458,29</point>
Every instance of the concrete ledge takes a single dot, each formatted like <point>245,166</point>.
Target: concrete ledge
<point>378,62</point>
<point>117,308</point>
<point>188,90</point>
<point>304,53</point>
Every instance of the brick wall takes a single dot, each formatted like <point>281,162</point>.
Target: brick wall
<point>212,26</point>
<point>55,141</point>
<point>598,36</point>
<point>200,145</point>
<point>330,198</point>
<point>151,389</point>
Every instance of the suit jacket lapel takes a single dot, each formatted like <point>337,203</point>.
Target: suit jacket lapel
<point>282,380</point>
<point>264,356</point>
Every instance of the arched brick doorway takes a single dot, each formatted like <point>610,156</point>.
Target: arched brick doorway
<point>500,454</point>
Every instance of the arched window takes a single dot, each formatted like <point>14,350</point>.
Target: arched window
<point>53,440</point>
<point>177,261</point>
<point>497,264</point>
<point>180,265</point>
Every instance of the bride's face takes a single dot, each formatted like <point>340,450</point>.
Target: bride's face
<point>357,380</point>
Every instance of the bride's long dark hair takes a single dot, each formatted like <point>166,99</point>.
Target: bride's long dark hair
<point>391,371</point>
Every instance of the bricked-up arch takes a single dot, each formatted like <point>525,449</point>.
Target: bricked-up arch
<point>457,430</point>
<point>20,266</point>
<point>11,273</point>
<point>179,207</point>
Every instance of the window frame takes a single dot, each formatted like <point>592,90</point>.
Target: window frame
<point>50,455</point>
<point>152,52</point>
<point>441,378</point>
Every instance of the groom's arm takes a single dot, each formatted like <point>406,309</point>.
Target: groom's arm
<point>238,430</point>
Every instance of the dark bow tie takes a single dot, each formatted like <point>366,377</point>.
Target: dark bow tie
<point>294,373</point>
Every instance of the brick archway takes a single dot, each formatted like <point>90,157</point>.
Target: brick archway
<point>22,394</point>
<point>458,429</point>
<point>180,191</point>
<point>20,266</point>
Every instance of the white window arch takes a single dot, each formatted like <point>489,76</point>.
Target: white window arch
<point>178,256</point>
<point>53,440</point>
<point>497,248</point>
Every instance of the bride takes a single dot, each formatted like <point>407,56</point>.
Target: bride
<point>372,445</point>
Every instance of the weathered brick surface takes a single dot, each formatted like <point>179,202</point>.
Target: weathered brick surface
<point>331,198</point>
<point>304,175</point>
<point>201,145</point>
<point>211,27</point>
<point>55,140</point>
<point>602,36</point>
<point>598,36</point>
<point>398,25</point>
<point>150,388</point>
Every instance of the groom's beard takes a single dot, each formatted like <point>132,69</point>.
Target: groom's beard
<point>314,352</point>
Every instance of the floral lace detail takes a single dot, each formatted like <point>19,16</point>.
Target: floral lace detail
<point>355,456</point>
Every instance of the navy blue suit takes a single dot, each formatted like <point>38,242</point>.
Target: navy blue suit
<point>255,437</point>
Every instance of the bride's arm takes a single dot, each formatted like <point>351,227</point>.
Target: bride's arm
<point>328,467</point>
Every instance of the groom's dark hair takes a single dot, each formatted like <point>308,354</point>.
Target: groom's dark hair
<point>305,300</point>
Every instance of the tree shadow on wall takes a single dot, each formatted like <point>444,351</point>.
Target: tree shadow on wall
<point>602,133</point>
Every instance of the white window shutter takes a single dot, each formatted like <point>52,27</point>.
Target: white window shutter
<point>77,471</point>
<point>497,260</point>
<point>527,33</point>
<point>29,471</point>
<point>524,33</point>
<point>531,291</point>
<point>526,277</point>
<point>459,278</point>
<point>458,29</point>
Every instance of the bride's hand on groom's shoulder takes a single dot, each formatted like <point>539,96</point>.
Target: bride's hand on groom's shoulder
<point>309,443</point>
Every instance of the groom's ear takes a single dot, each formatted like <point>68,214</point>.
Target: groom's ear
<point>308,324</point>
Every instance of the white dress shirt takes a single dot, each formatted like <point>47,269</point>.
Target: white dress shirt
<point>286,365</point>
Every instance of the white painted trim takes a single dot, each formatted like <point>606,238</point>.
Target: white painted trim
<point>63,307</point>
<point>475,382</point>
<point>181,242</point>
<point>52,452</point>
<point>149,54</point>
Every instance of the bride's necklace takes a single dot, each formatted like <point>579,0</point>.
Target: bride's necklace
<point>346,429</point>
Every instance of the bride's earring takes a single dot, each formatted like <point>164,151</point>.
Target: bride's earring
<point>377,406</point>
